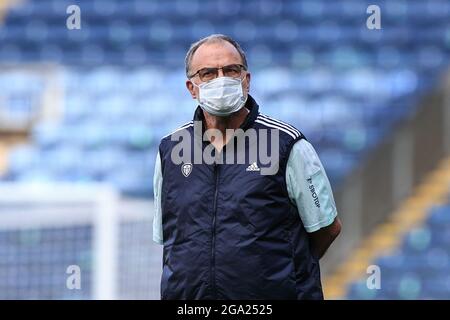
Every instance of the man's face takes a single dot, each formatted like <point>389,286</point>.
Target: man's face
<point>216,54</point>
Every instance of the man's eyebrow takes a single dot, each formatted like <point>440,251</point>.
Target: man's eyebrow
<point>225,65</point>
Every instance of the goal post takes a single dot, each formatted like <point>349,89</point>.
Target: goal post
<point>43,208</point>
<point>47,228</point>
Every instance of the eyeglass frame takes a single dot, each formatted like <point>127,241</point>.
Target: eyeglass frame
<point>217,68</point>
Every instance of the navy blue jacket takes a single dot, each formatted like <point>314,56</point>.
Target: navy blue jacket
<point>230,233</point>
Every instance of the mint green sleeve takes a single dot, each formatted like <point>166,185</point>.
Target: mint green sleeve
<point>309,188</point>
<point>157,217</point>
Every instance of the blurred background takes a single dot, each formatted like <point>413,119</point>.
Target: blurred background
<point>82,112</point>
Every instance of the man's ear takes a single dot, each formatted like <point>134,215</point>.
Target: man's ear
<point>248,76</point>
<point>191,89</point>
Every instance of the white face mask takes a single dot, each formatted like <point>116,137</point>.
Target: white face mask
<point>221,96</point>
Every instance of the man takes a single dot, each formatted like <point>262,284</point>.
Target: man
<point>228,231</point>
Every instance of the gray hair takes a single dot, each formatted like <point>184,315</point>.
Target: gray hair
<point>213,39</point>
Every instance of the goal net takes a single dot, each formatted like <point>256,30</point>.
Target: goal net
<point>60,241</point>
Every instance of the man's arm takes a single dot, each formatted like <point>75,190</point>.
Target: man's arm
<point>310,190</point>
<point>323,238</point>
<point>157,217</point>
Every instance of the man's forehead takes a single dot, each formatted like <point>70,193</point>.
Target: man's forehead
<point>215,54</point>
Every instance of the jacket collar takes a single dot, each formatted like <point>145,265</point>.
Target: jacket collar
<point>250,104</point>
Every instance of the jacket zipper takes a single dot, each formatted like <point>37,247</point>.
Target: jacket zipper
<point>213,234</point>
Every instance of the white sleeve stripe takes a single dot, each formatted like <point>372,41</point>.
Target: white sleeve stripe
<point>282,123</point>
<point>190,124</point>
<point>294,132</point>
<point>279,125</point>
<point>275,127</point>
<point>279,121</point>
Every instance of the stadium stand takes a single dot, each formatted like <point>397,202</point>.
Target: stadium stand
<point>122,89</point>
<point>124,76</point>
<point>411,249</point>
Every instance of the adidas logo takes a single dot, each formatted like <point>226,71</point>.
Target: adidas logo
<point>253,167</point>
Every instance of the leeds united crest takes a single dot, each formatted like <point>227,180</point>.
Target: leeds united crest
<point>186,169</point>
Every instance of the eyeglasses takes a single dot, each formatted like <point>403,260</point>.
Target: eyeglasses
<point>207,74</point>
